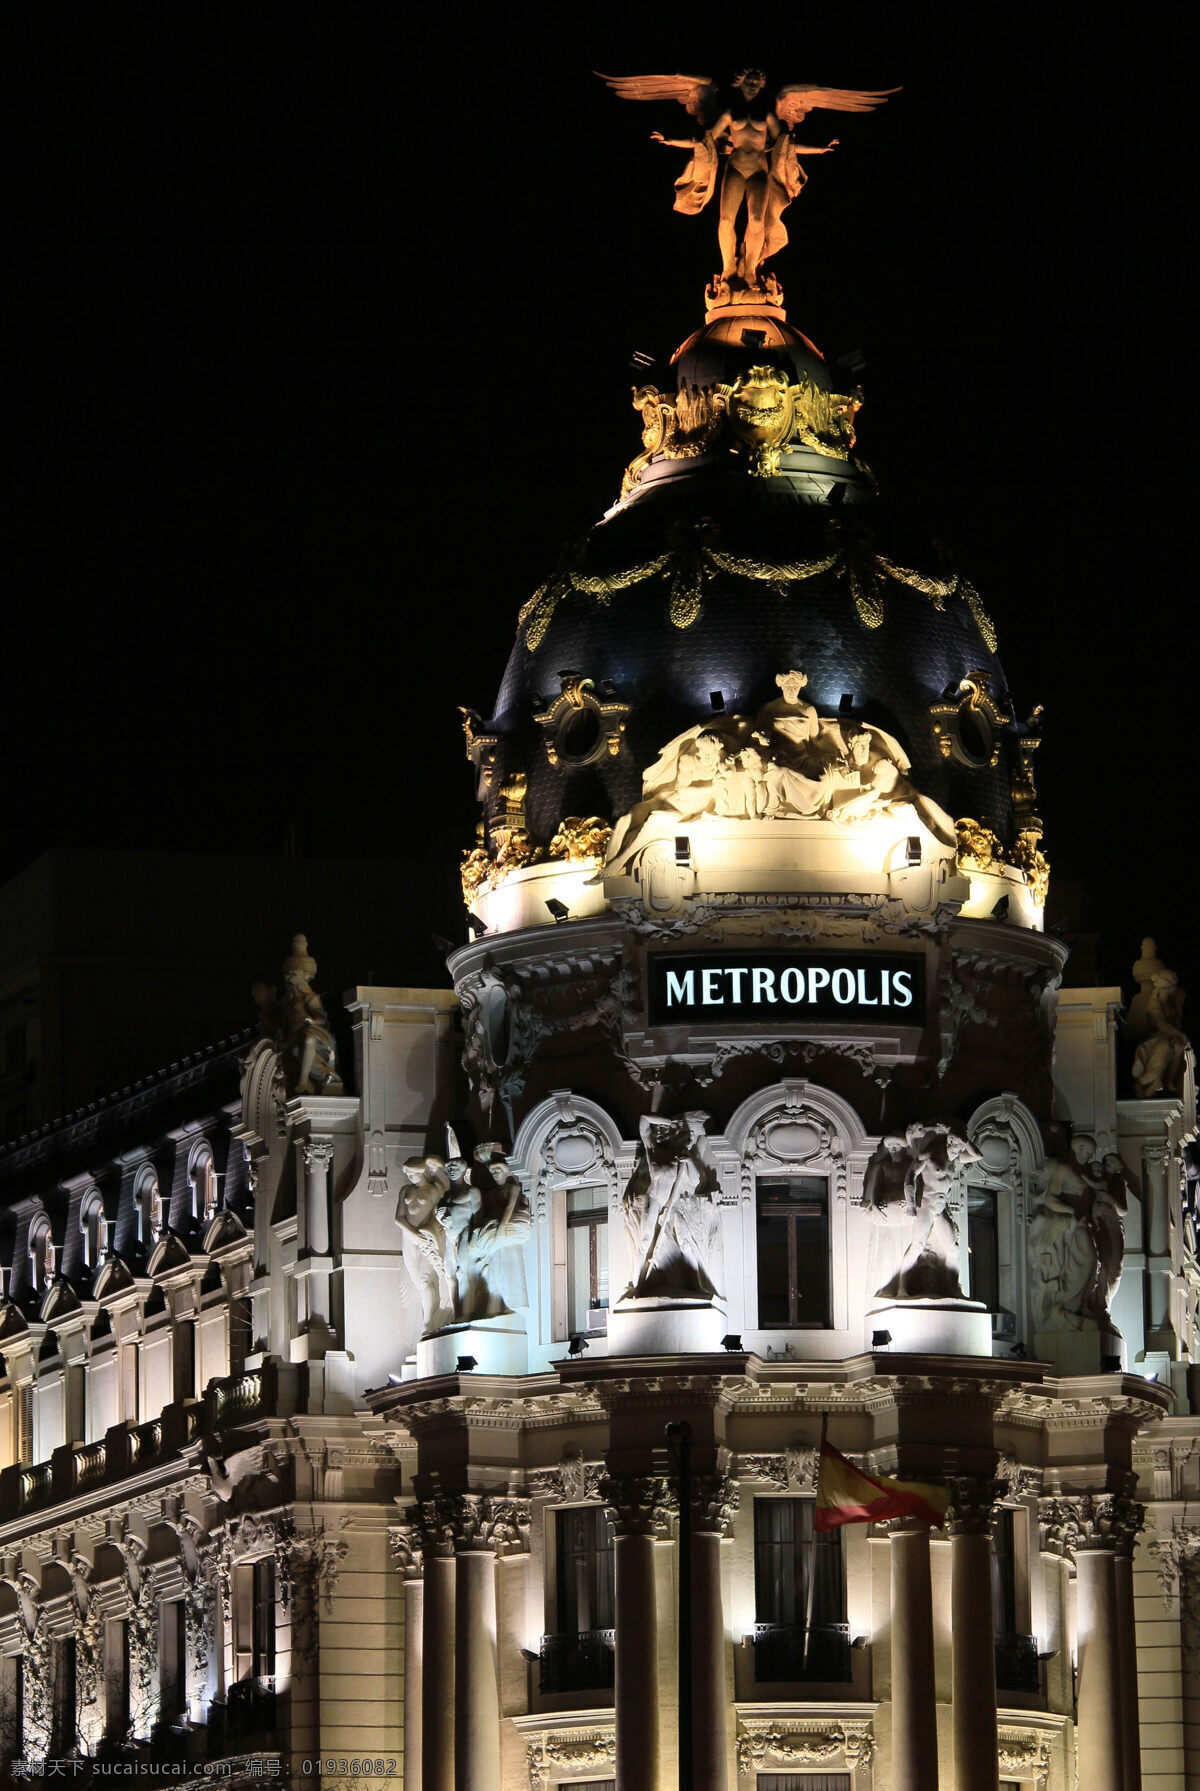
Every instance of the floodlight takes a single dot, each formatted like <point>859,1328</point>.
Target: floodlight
<point>559,910</point>
<point>912,850</point>
<point>465,1364</point>
<point>1000,911</point>
<point>683,849</point>
<point>880,1339</point>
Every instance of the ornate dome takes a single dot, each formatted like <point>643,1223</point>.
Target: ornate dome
<point>748,540</point>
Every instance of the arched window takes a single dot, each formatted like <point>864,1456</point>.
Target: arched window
<point>92,1227</point>
<point>148,1206</point>
<point>202,1179</point>
<point>41,1253</point>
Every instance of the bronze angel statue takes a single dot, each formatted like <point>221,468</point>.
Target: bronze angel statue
<point>762,157</point>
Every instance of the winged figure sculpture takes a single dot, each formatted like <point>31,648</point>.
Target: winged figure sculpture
<point>763,173</point>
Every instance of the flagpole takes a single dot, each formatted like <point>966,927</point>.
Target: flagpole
<point>812,1551</point>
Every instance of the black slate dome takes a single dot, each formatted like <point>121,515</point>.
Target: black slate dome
<point>709,579</point>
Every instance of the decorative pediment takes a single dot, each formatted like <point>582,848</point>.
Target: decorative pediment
<point>170,1252</point>
<point>225,1231</point>
<point>60,1299</point>
<point>112,1277</point>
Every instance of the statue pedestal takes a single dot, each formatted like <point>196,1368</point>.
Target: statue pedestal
<point>498,1345</point>
<point>659,1326</point>
<point>934,1327</point>
<point>1079,1352</point>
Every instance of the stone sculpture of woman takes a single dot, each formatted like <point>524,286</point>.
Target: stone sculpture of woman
<point>424,1239</point>
<point>671,1217</point>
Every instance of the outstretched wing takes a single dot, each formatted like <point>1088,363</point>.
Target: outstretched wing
<point>696,93</point>
<point>793,104</point>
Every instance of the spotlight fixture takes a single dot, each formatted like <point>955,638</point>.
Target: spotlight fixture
<point>476,925</point>
<point>846,704</point>
<point>861,1642</point>
<point>732,1343</point>
<point>577,1344</point>
<point>1111,1365</point>
<point>912,850</point>
<point>1018,1353</point>
<point>442,945</point>
<point>528,1654</point>
<point>1000,911</point>
<point>559,910</point>
<point>465,1364</point>
<point>717,699</point>
<point>880,1339</point>
<point>395,1380</point>
<point>683,849</point>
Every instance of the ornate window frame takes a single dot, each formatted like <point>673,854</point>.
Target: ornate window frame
<point>148,1206</point>
<point>566,1142</point>
<point>202,1181</point>
<point>796,1127</point>
<point>1009,1139</point>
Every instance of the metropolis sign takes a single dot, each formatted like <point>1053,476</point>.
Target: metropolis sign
<point>786,985</point>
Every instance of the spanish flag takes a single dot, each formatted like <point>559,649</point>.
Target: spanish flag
<point>845,1495</point>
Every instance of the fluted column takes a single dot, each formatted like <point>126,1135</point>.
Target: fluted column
<point>973,1694</point>
<point>714,1499</point>
<point>1089,1529</point>
<point>914,1701</point>
<point>405,1542</point>
<point>437,1649</point>
<point>638,1508</point>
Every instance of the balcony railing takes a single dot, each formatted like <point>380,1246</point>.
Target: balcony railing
<point>580,1662</point>
<point>779,1653</point>
<point>1017,1666</point>
<point>247,1715</point>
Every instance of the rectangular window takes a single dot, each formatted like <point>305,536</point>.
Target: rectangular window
<point>25,1423</point>
<point>1017,1665</point>
<point>172,1663</point>
<point>63,1731</point>
<point>12,1706</point>
<point>804,1781</point>
<point>253,1600</point>
<point>786,1552</point>
<point>795,1282</point>
<point>584,1558</point>
<point>116,1678</point>
<point>983,1248</point>
<point>587,1260</point>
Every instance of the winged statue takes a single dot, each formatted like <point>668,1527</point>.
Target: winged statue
<point>757,142</point>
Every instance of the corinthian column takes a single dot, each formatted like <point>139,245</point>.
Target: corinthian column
<point>914,1701</point>
<point>714,1499</point>
<point>318,1157</point>
<point>1088,1529</point>
<point>976,1744</point>
<point>405,1542</point>
<point>637,1506</point>
<point>1126,1535</point>
<point>437,1647</point>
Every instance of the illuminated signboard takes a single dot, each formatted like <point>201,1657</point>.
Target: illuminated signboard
<point>776,986</point>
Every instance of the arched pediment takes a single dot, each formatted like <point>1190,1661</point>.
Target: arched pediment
<point>225,1231</point>
<point>794,1120</point>
<point>112,1277</point>
<point>12,1321</point>
<point>1008,1136</point>
<point>60,1299</point>
<point>574,1132</point>
<point>170,1252</point>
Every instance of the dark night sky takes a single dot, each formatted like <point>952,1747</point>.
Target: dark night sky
<point>322,350</point>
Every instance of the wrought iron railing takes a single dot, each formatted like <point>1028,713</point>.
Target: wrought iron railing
<point>1017,1666</point>
<point>580,1662</point>
<point>248,1714</point>
<point>779,1653</point>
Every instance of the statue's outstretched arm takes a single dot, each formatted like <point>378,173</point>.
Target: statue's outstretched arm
<point>673,142</point>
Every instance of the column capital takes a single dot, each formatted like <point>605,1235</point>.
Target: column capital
<point>972,1507</point>
<point>465,1523</point>
<point>638,1504</point>
<point>1075,1523</point>
<point>406,1545</point>
<point>318,1152</point>
<point>714,1501</point>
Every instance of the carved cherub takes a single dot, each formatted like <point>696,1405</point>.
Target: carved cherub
<point>762,167</point>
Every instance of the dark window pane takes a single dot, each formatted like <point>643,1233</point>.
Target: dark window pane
<point>984,1276</point>
<point>794,1286</point>
<point>585,1569</point>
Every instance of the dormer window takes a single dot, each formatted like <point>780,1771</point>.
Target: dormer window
<point>91,1226</point>
<point>202,1179</point>
<point>148,1206</point>
<point>41,1253</point>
